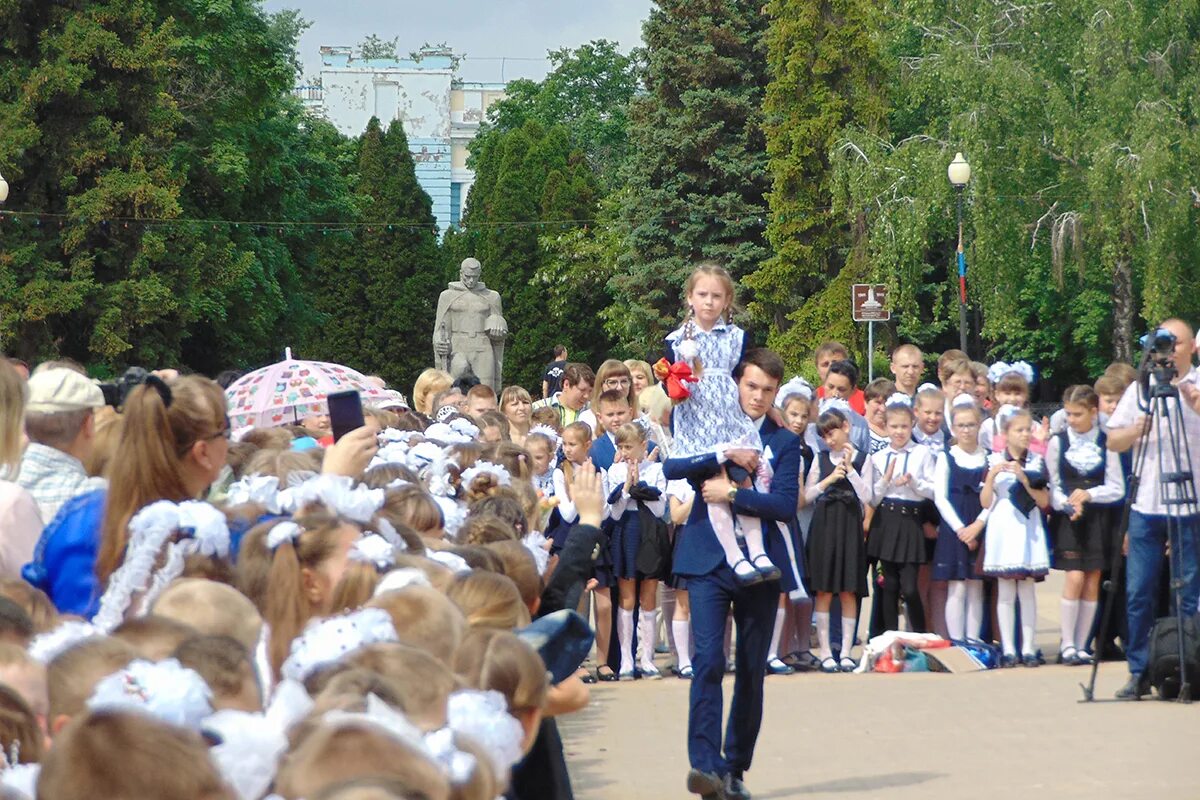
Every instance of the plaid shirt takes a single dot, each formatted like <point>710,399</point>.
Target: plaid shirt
<point>53,478</point>
<point>566,416</point>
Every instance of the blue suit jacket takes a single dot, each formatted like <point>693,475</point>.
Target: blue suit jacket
<point>698,552</point>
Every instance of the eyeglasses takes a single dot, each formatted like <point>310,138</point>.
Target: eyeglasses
<point>227,432</point>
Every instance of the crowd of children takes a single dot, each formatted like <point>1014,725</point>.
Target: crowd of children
<point>394,614</point>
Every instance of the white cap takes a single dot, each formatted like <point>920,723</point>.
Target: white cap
<point>61,389</point>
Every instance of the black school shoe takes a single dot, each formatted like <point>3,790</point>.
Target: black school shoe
<point>735,789</point>
<point>1136,688</point>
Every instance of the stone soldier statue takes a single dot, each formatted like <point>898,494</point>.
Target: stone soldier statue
<point>469,331</point>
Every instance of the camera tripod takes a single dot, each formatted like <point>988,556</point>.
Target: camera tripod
<point>1176,490</point>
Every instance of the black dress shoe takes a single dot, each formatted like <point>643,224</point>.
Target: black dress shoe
<point>735,789</point>
<point>706,784</point>
<point>1137,687</point>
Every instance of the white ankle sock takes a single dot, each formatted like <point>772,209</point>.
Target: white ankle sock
<point>849,628</point>
<point>1069,619</point>
<point>625,638</point>
<point>773,653</point>
<point>1083,627</point>
<point>682,630</point>
<point>822,620</point>
<point>647,634</point>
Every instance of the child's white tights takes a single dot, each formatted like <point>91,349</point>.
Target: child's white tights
<point>964,609</point>
<point>1007,592</point>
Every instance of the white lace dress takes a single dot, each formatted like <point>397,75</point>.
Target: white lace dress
<point>712,419</point>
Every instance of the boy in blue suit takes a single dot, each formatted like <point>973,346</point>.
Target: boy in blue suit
<point>713,589</point>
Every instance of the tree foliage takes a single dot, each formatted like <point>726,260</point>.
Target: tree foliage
<point>697,177</point>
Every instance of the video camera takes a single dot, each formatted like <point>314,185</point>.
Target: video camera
<point>1158,360</point>
<point>116,392</point>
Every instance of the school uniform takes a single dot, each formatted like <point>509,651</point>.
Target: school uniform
<point>897,539</point>
<point>1082,461</point>
<point>1015,534</point>
<point>837,555</point>
<point>604,450</point>
<point>957,481</point>
<point>626,532</point>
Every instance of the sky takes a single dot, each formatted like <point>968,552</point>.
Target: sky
<point>520,31</point>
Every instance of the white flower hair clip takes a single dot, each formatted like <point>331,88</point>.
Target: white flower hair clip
<point>251,744</point>
<point>337,492</point>
<point>1004,414</point>
<point>487,467</point>
<point>548,432</point>
<point>962,400</point>
<point>400,578</point>
<point>432,463</point>
<point>375,550</point>
<point>998,370</point>
<point>205,533</point>
<point>325,641</point>
<point>260,489</point>
<point>484,717</point>
<point>47,646</point>
<point>447,433</point>
<point>165,690</point>
<point>899,400</point>
<point>286,531</point>
<point>535,542</point>
<point>454,515</point>
<point>463,427</point>
<point>835,404</point>
<point>796,387</point>
<point>451,561</point>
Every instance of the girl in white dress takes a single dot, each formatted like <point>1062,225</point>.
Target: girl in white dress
<point>711,420</point>
<point>1015,550</point>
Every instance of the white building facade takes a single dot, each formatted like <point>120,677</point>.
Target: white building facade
<point>441,115</point>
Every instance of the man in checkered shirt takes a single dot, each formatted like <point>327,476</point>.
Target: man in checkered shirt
<point>60,423</point>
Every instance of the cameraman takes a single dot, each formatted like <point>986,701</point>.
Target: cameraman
<point>1146,539</point>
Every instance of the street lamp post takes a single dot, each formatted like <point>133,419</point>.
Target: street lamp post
<point>959,173</point>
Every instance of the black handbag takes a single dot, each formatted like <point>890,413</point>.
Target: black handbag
<point>654,549</point>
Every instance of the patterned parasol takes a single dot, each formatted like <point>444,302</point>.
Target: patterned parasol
<point>287,392</point>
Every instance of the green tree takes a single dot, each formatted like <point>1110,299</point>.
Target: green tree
<point>697,176</point>
<point>824,68</point>
<point>587,91</point>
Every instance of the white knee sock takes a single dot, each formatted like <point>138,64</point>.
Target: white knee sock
<point>647,636</point>
<point>956,610</point>
<point>1083,627</point>
<point>774,651</point>
<point>974,609</point>
<point>1069,619</point>
<point>849,628</point>
<point>1027,593</point>
<point>625,638</point>
<point>752,530</point>
<point>721,517</point>
<point>682,630</point>
<point>1006,613</point>
<point>822,620</point>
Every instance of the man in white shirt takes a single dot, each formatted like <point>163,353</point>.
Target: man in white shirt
<point>1150,516</point>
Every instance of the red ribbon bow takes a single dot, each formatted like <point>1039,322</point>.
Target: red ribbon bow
<point>676,376</point>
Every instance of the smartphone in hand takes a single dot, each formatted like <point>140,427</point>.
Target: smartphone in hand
<point>345,413</point>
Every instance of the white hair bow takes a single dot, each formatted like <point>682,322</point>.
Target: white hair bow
<point>834,404</point>
<point>375,550</point>
<point>47,646</point>
<point>487,467</point>
<point>260,489</point>
<point>165,690</point>
<point>325,641</point>
<point>796,387</point>
<point>898,400</point>
<point>338,492</point>
<point>205,533</point>
<point>963,399</point>
<point>998,370</point>
<point>286,531</point>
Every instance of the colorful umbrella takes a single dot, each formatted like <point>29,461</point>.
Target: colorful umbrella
<point>287,392</point>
